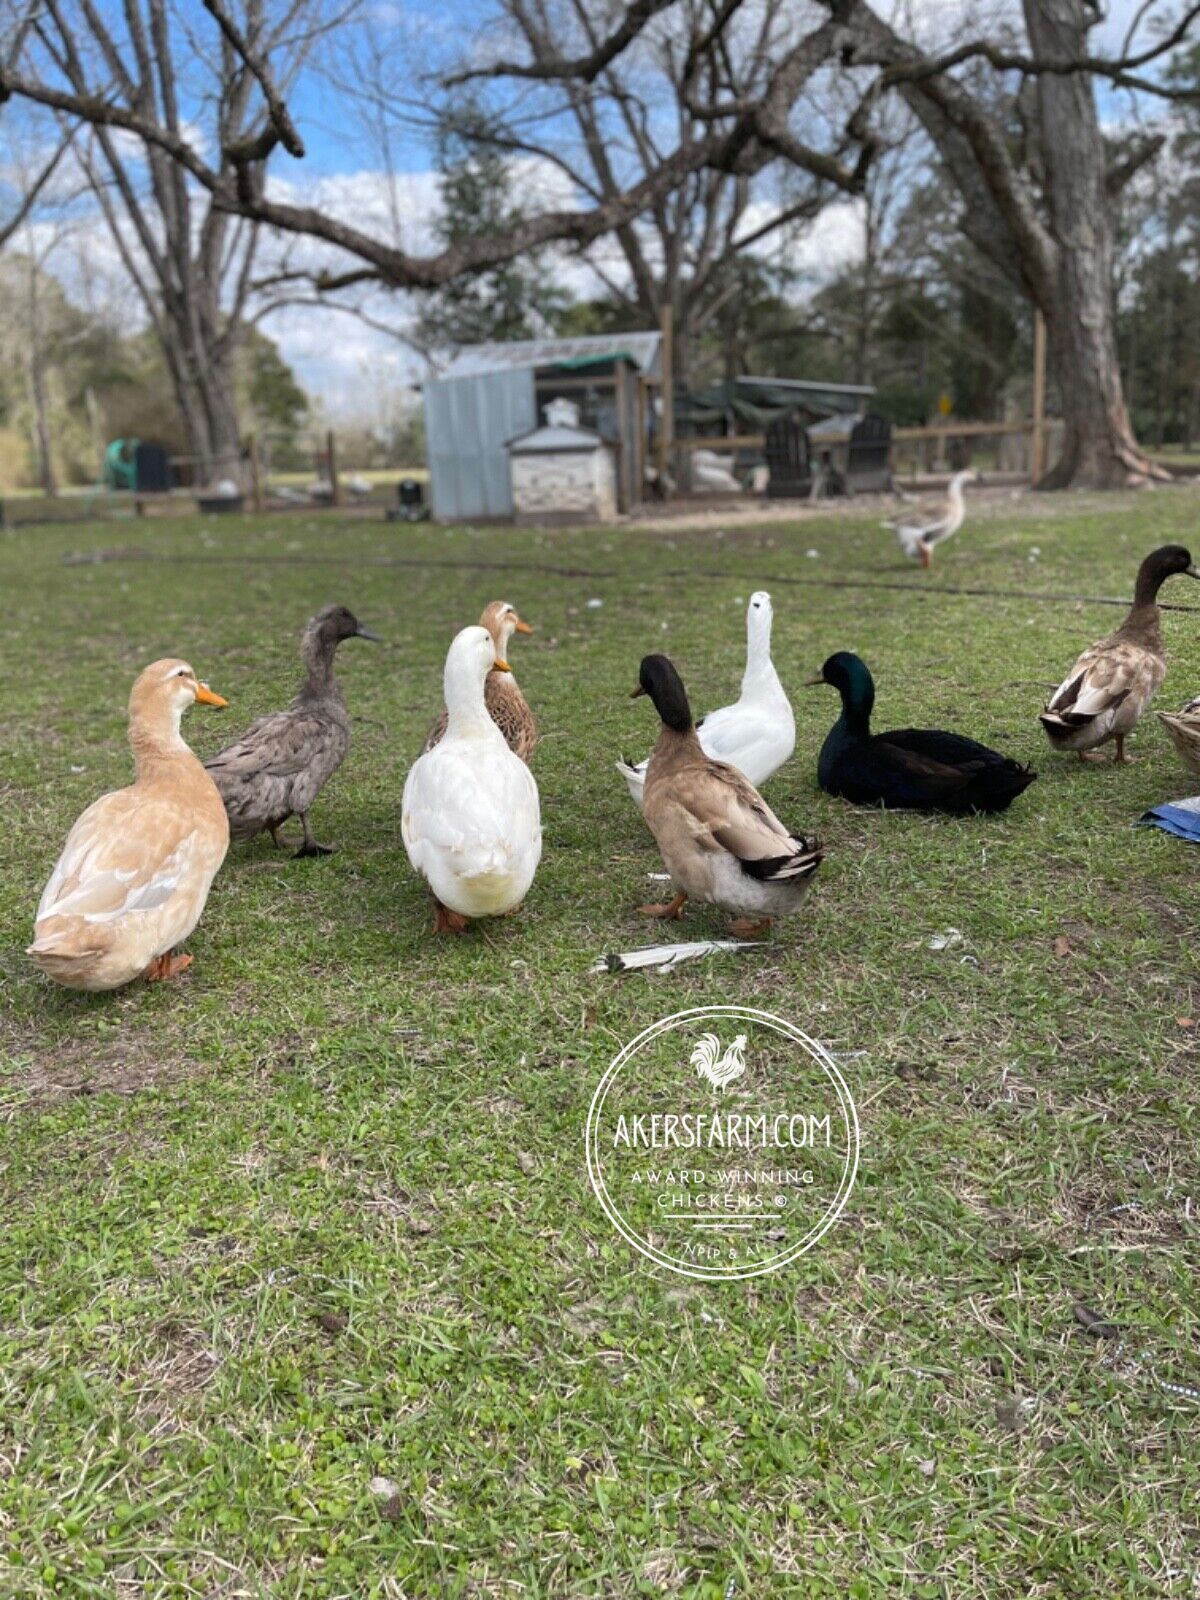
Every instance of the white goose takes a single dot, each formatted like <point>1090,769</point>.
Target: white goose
<point>470,818</point>
<point>757,734</point>
<point>920,527</point>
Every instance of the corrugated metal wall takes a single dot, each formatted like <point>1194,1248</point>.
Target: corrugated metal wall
<point>468,421</point>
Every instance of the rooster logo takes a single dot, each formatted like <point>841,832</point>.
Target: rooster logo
<point>719,1070</point>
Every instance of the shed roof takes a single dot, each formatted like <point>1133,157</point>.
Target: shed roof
<point>472,361</point>
<point>553,439</point>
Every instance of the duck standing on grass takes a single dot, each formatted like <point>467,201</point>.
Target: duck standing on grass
<point>135,871</point>
<point>919,528</point>
<point>1113,682</point>
<point>720,841</point>
<point>757,734</point>
<point>470,817</point>
<point>506,705</point>
<point>920,769</point>
<point>282,762</point>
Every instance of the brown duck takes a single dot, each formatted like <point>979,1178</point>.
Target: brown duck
<point>1112,683</point>
<point>719,840</point>
<point>506,705</point>
<point>282,762</point>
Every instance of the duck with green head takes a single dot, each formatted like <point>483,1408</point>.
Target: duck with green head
<point>921,769</point>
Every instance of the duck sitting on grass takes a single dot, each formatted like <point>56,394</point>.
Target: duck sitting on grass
<point>920,769</point>
<point>1106,691</point>
<point>720,841</point>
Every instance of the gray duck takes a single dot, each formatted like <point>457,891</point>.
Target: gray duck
<point>282,762</point>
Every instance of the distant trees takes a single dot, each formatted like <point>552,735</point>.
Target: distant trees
<point>190,257</point>
<point>515,299</point>
<point>1013,120</point>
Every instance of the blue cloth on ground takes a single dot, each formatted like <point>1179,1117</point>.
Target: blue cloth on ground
<point>1180,817</point>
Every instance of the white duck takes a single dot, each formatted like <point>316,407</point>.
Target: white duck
<point>920,527</point>
<point>470,817</point>
<point>136,868</point>
<point>757,734</point>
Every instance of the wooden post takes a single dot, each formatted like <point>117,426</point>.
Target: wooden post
<point>256,494</point>
<point>335,488</point>
<point>666,393</point>
<point>1037,442</point>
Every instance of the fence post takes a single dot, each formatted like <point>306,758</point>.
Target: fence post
<point>256,494</point>
<point>335,488</point>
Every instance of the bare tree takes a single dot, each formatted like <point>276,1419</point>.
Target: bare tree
<point>190,258</point>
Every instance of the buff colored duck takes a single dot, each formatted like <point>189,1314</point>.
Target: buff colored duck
<point>720,841</point>
<point>135,871</point>
<point>756,734</point>
<point>1112,683</point>
<point>920,527</point>
<point>470,818</point>
<point>506,705</point>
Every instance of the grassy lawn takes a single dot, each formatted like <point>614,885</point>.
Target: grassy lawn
<point>319,1214</point>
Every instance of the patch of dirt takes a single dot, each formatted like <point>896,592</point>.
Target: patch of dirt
<point>34,1075</point>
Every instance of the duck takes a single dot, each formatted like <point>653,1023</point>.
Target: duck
<point>470,816</point>
<point>506,705</point>
<point>279,765</point>
<point>756,734</point>
<point>920,527</point>
<point>922,769</point>
<point>720,841</point>
<point>1184,728</point>
<point>1113,681</point>
<point>134,875</point>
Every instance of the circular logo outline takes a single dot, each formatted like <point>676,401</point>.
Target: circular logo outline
<point>849,1110</point>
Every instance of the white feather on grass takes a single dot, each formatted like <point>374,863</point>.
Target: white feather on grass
<point>665,956</point>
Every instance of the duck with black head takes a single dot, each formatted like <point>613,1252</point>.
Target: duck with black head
<point>282,762</point>
<point>1113,681</point>
<point>720,841</point>
<point>921,769</point>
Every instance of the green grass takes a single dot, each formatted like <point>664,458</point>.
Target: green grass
<point>319,1212</point>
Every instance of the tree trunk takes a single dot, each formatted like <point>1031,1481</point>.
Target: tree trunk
<point>37,388</point>
<point>201,363</point>
<point>1099,450</point>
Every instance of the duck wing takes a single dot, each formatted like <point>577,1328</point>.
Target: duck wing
<point>130,851</point>
<point>729,814</point>
<point>276,746</point>
<point>926,770</point>
<point>1100,682</point>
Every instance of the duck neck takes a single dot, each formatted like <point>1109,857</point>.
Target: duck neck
<point>466,708</point>
<point>760,670</point>
<point>1142,618</point>
<point>317,653</point>
<point>954,490</point>
<point>858,701</point>
<point>156,741</point>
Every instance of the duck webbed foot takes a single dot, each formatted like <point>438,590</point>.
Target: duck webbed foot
<point>672,911</point>
<point>749,927</point>
<point>165,967</point>
<point>1091,755</point>
<point>448,921</point>
<point>1122,754</point>
<point>310,847</point>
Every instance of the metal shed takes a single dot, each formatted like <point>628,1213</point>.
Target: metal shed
<point>489,394</point>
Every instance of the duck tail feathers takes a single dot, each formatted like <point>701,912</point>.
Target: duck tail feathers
<point>799,864</point>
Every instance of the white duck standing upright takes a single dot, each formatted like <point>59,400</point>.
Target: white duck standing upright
<point>920,527</point>
<point>470,817</point>
<point>135,871</point>
<point>756,734</point>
